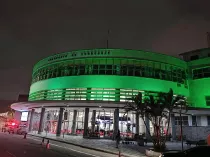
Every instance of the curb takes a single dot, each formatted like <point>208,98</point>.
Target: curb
<point>96,149</point>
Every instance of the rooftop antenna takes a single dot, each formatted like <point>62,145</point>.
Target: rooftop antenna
<point>107,41</point>
<point>208,39</point>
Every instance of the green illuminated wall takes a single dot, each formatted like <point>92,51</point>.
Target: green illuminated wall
<point>198,90</point>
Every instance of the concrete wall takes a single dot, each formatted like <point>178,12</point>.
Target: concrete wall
<point>195,133</point>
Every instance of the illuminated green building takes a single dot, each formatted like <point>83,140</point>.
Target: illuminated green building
<point>75,86</point>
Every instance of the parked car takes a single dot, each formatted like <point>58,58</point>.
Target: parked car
<point>203,151</point>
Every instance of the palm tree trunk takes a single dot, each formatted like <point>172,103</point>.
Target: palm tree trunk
<point>147,129</point>
<point>169,120</point>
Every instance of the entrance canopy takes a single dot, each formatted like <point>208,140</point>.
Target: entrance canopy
<point>25,106</point>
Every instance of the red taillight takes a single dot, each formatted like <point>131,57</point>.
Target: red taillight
<point>13,124</point>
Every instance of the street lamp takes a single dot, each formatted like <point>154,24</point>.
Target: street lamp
<point>180,105</point>
<point>180,114</point>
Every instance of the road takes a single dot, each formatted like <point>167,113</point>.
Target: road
<point>12,145</point>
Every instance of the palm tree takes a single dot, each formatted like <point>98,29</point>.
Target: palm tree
<point>156,109</point>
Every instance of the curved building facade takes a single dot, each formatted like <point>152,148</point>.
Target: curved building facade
<point>107,75</point>
<point>89,88</point>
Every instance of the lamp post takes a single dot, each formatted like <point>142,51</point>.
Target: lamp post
<point>104,123</point>
<point>181,129</point>
<point>180,114</point>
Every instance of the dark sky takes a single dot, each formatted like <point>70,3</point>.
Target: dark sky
<point>33,29</point>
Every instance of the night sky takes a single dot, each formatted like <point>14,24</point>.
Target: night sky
<point>33,29</point>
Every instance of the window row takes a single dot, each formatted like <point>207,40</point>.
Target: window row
<point>201,73</point>
<point>175,74</point>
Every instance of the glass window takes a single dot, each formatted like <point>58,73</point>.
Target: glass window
<point>194,123</point>
<point>109,69</point>
<point>137,71</point>
<point>208,120</point>
<point>82,69</point>
<point>90,69</point>
<point>207,100</point>
<point>131,70</point>
<point>102,69</point>
<point>184,120</point>
<point>116,69</point>
<point>95,69</point>
<point>123,70</point>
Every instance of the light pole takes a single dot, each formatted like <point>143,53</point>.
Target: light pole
<point>180,114</point>
<point>181,129</point>
<point>104,123</point>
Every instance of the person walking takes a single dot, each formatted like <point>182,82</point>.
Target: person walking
<point>117,138</point>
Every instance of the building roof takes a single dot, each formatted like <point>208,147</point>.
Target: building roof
<point>197,50</point>
<point>109,53</point>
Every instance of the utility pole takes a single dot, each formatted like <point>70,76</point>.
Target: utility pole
<point>181,129</point>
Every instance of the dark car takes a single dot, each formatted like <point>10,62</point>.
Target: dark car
<point>203,151</point>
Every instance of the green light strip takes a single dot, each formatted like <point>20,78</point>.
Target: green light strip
<point>82,94</point>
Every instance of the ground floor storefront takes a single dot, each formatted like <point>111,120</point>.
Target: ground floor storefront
<point>101,122</point>
<point>100,119</point>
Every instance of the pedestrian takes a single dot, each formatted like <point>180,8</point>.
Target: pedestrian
<point>117,138</point>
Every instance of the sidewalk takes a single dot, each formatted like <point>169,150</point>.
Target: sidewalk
<point>104,145</point>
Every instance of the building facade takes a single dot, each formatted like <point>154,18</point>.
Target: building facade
<point>82,90</point>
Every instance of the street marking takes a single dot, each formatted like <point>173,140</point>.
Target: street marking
<point>11,154</point>
<point>68,148</point>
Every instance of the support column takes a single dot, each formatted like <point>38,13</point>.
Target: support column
<point>142,126</point>
<point>116,121</point>
<point>73,127</point>
<point>173,127</point>
<point>147,131</point>
<point>86,122</point>
<point>60,119</point>
<point>41,121</point>
<point>93,122</point>
<point>137,123</point>
<point>31,120</point>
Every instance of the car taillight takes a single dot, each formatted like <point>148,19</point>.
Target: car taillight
<point>13,124</point>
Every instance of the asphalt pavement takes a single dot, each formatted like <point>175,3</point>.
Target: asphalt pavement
<point>12,145</point>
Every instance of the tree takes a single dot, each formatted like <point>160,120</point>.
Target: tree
<point>156,109</point>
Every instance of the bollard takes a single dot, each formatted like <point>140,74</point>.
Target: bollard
<point>25,136</point>
<point>48,144</point>
<point>42,141</point>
